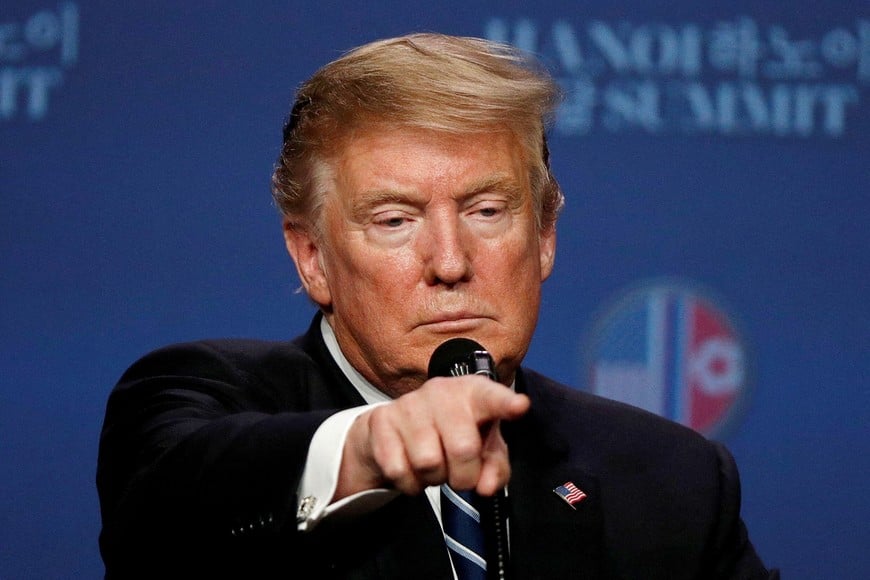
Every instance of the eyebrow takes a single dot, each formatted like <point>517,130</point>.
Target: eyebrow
<point>361,208</point>
<point>499,182</point>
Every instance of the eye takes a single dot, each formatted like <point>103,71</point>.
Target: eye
<point>392,222</point>
<point>488,210</point>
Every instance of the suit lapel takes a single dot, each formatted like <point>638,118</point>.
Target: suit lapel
<point>541,522</point>
<point>335,390</point>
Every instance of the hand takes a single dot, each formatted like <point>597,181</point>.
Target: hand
<point>445,431</point>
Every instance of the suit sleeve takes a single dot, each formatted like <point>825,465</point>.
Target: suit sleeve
<point>731,555</point>
<point>199,459</point>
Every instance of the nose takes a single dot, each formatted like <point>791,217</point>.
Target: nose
<point>447,251</point>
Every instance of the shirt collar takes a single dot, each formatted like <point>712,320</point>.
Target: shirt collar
<point>370,393</point>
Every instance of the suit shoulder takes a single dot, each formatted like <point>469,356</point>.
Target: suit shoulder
<point>626,431</point>
<point>217,358</point>
<point>666,489</point>
<point>240,373</point>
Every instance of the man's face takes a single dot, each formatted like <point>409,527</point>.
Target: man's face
<point>426,237</point>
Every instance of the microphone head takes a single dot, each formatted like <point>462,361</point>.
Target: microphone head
<point>460,356</point>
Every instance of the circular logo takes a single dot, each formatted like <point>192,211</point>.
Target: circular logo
<point>669,348</point>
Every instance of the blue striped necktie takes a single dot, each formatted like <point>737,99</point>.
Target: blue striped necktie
<point>463,533</point>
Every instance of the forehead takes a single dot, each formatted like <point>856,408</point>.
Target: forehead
<point>398,158</point>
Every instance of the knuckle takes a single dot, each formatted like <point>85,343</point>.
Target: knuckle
<point>379,418</point>
<point>428,461</point>
<point>390,464</point>
<point>394,471</point>
<point>465,450</point>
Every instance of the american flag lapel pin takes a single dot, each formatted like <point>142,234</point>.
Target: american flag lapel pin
<point>570,493</point>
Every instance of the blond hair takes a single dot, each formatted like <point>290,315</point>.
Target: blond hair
<point>449,84</point>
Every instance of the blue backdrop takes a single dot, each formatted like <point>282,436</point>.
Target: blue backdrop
<point>714,159</point>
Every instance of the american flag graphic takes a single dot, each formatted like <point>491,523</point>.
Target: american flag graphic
<point>570,493</point>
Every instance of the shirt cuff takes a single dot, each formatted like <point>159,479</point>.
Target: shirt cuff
<point>320,476</point>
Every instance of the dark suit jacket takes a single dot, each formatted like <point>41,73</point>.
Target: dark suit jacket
<point>203,447</point>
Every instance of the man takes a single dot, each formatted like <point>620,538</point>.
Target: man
<point>418,206</point>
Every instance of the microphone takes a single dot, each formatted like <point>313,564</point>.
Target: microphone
<point>458,357</point>
<point>461,356</point>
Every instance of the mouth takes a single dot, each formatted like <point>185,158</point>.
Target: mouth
<point>453,322</point>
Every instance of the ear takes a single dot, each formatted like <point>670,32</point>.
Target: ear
<point>547,247</point>
<point>305,250</point>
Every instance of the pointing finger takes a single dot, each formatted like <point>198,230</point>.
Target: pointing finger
<point>493,401</point>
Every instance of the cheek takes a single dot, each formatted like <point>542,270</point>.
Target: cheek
<point>372,284</point>
<point>513,259</point>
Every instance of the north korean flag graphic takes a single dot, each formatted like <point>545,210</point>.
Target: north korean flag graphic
<point>671,350</point>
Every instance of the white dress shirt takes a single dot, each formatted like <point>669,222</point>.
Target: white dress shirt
<point>320,476</point>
